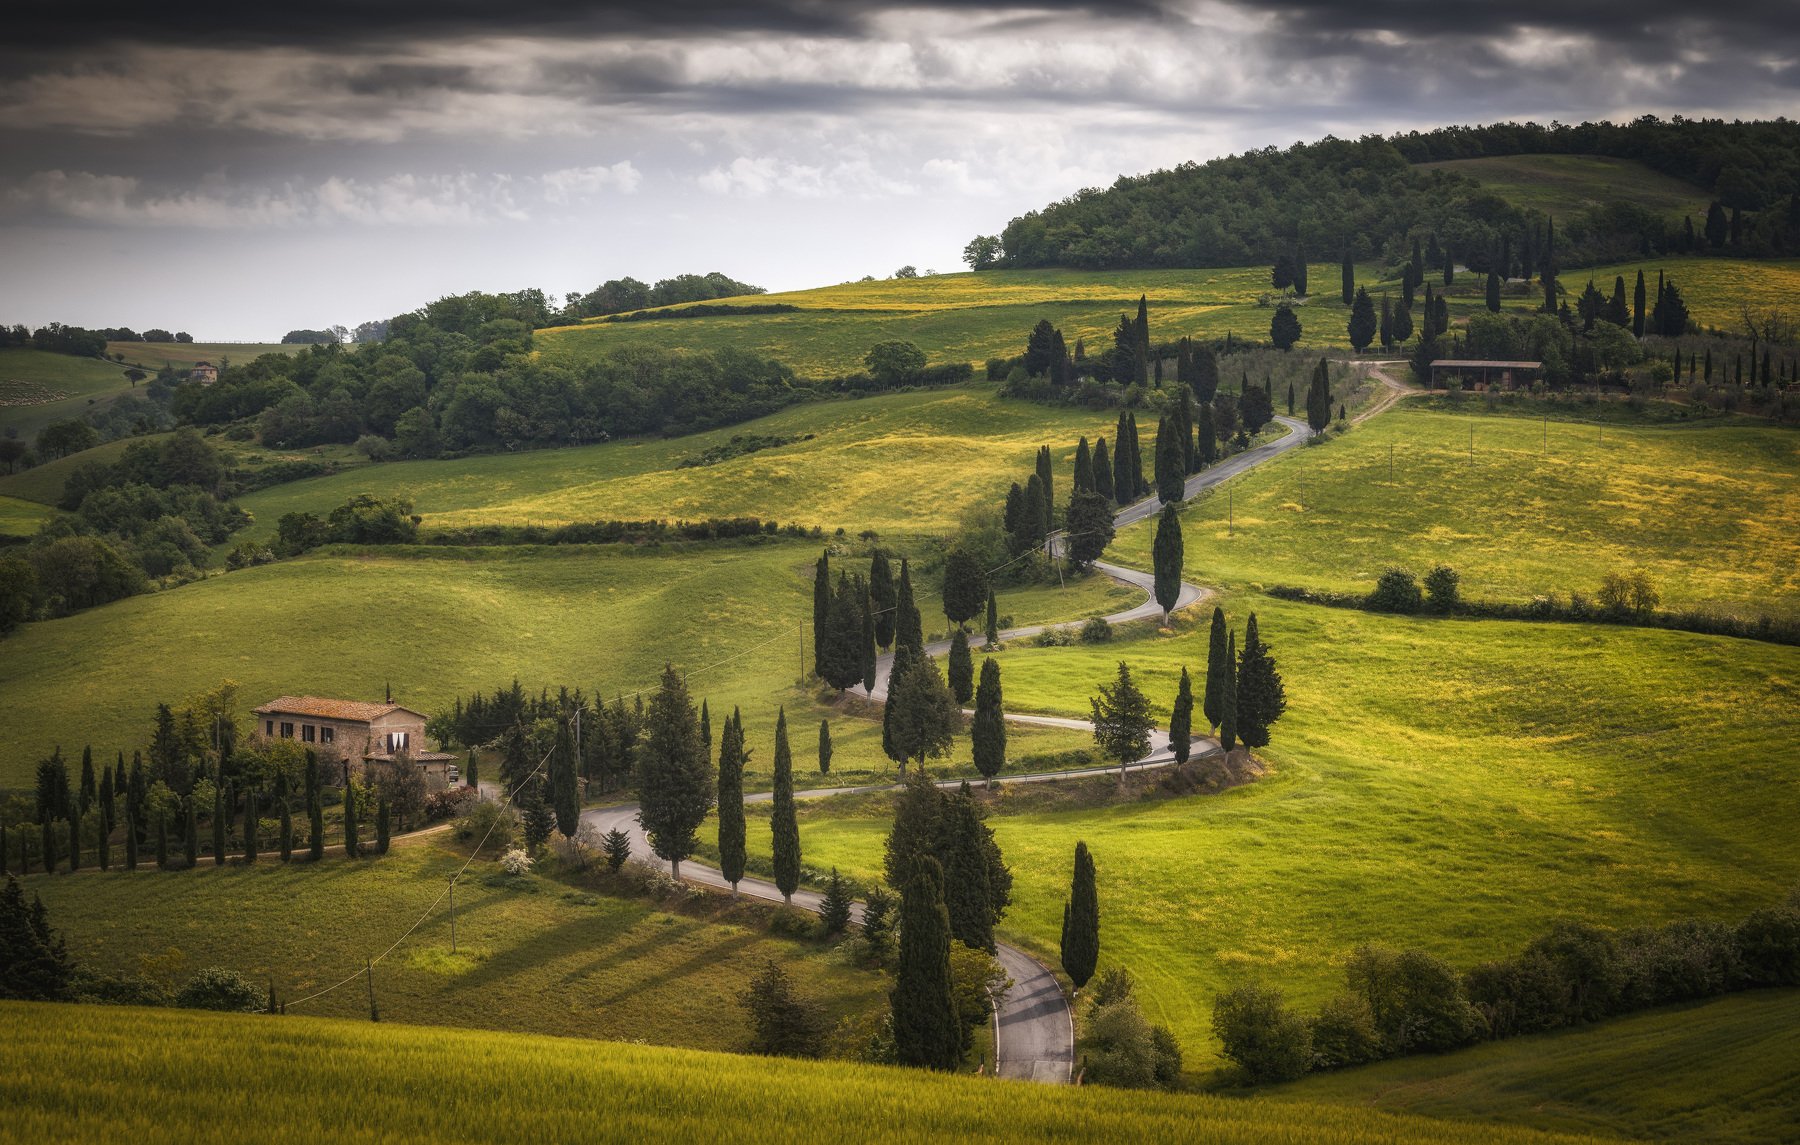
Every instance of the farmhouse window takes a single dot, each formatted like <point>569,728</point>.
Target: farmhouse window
<point>326,735</point>
<point>268,727</point>
<point>307,732</point>
<point>396,741</point>
<point>287,730</point>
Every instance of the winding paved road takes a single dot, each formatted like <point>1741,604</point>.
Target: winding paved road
<point>1035,1031</point>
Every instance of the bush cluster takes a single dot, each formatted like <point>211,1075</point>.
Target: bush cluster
<point>619,532</point>
<point>1405,1002</point>
<point>1120,1047</point>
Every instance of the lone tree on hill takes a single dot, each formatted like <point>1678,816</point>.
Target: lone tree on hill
<point>732,757</point>
<point>961,665</point>
<point>1181,718</point>
<point>675,785</point>
<point>784,826</point>
<point>882,597</point>
<point>1122,721</point>
<point>1362,320</point>
<point>1212,704</point>
<point>1261,699</point>
<point>1166,558</point>
<point>987,732</point>
<point>1090,530</point>
<point>1284,328</point>
<point>965,586</point>
<point>926,1029</point>
<point>1081,921</point>
<point>824,747</point>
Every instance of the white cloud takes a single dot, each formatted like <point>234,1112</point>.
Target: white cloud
<point>572,184</point>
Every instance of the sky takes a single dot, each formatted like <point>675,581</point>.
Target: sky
<point>239,170</point>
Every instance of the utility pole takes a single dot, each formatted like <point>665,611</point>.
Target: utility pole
<point>453,914</point>
<point>374,1014</point>
<point>1390,461</point>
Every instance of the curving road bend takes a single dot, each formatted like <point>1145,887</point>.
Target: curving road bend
<point>1034,1028</point>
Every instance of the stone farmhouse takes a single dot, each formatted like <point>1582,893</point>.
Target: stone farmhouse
<point>352,732</point>
<point>204,372</point>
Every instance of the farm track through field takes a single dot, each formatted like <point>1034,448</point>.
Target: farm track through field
<point>1034,1026</point>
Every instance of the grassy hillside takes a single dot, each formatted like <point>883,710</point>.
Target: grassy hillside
<point>898,463</point>
<point>1564,185</point>
<point>439,623</point>
<point>44,483</point>
<point>1727,1070</point>
<point>1709,511</point>
<point>1716,290</point>
<point>38,387</point>
<point>19,518</point>
<point>1452,785</point>
<point>183,355</point>
<point>532,955</point>
<point>394,1084</point>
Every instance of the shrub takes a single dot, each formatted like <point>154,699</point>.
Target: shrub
<point>975,977</point>
<point>1055,637</point>
<point>1343,1033</point>
<point>1623,592</point>
<point>1417,1000</point>
<point>448,803</point>
<point>1258,1033</point>
<point>793,922</point>
<point>1441,587</point>
<point>490,824</point>
<point>215,988</point>
<point>1395,591</point>
<point>1586,959</point>
<point>785,1024</point>
<point>1120,1047</point>
<point>515,861</point>
<point>1097,630</point>
<point>1689,958</point>
<point>617,846</point>
<point>1768,947</point>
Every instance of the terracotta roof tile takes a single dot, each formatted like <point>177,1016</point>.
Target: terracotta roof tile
<point>325,709</point>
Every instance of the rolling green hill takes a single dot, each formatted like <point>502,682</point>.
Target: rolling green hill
<point>1721,1071</point>
<point>183,355</point>
<point>158,1076</point>
<point>38,387</point>
<point>1563,186</point>
<point>1450,785</point>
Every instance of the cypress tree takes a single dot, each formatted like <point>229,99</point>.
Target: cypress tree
<point>1212,703</point>
<point>1386,326</point>
<point>1418,261</point>
<point>162,842</point>
<point>1228,715</point>
<point>968,891</point>
<point>1493,293</point>
<point>1143,340</point>
<point>1033,514</point>
<point>1261,699</point>
<point>74,836</point>
<point>250,826</point>
<point>927,1031</point>
<point>731,798</point>
<point>1290,399</point>
<point>315,809</point>
<point>1349,278</point>
<point>834,910</point>
<point>961,667</point>
<point>282,798</point>
<point>1717,229</point>
<point>987,732</point>
<point>1047,477</point>
<point>350,824</point>
<point>190,842</point>
<point>965,585</point>
<point>706,729</point>
<point>866,638</point>
<point>1637,306</point>
<point>1206,373</point>
<point>883,596</point>
<point>1084,467</point>
<point>1206,437</point>
<point>1449,268</point>
<point>1181,718</point>
<point>1363,324</point>
<point>565,795</point>
<point>1135,469</point>
<point>1166,558</point>
<point>824,747</point>
<point>1103,470</point>
<point>132,815</point>
<point>675,786</point>
<point>471,769</point>
<point>993,621</point>
<point>382,818</point>
<point>785,846</point>
<point>219,821</point>
<point>821,607</point>
<point>1081,921</point>
<point>909,626</point>
<point>1706,369</point>
<point>90,789</point>
<point>104,823</point>
<point>1171,468</point>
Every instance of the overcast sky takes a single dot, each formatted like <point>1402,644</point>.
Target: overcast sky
<point>238,170</point>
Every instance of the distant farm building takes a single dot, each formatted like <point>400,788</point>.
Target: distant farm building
<point>1484,374</point>
<point>204,372</point>
<point>348,730</point>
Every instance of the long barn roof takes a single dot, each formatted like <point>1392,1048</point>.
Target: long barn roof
<point>325,709</point>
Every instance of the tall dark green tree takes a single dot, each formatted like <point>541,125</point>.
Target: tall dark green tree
<point>1217,665</point>
<point>993,619</point>
<point>104,802</point>
<point>133,816</point>
<point>190,842</point>
<point>825,747</point>
<point>866,641</point>
<point>1081,921</point>
<point>1206,438</point>
<point>883,596</point>
<point>922,716</point>
<point>1122,723</point>
<point>675,785</point>
<point>965,586</point>
<point>1142,353</point>
<point>1717,228</point>
<point>315,809</point>
<point>90,788</point>
<point>1261,698</point>
<point>987,731</point>
<point>1181,718</point>
<point>565,795</point>
<point>927,1031</point>
<point>821,607</point>
<point>835,908</point>
<point>1084,467</point>
<point>842,656</point>
<point>1493,293</point>
<point>220,822</point>
<point>1228,709</point>
<point>1637,306</point>
<point>1103,470</point>
<point>968,893</point>
<point>252,811</point>
<point>74,824</point>
<point>1284,327</point>
<point>909,626</point>
<point>783,823</point>
<point>1032,516</point>
<point>383,823</point>
<point>352,844</point>
<point>282,801</point>
<point>1385,329</point>
<point>732,835</point>
<point>1090,529</point>
<point>1348,289</point>
<point>1171,466</point>
<point>1206,372</point>
<point>960,667</point>
<point>1362,320</point>
<point>1166,555</point>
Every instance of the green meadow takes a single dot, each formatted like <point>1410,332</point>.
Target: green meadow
<point>1725,1070</point>
<point>158,1076</point>
<point>1532,508</point>
<point>1448,785</point>
<point>38,387</point>
<point>183,355</point>
<point>1562,186</point>
<point>437,623</point>
<point>532,955</point>
<point>20,518</point>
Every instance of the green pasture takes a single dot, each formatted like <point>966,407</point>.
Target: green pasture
<point>438,623</point>
<point>158,1076</point>
<point>1564,185</point>
<point>1716,290</point>
<point>532,955</point>
<point>183,355</point>
<point>38,387</point>
<point>1532,508</point>
<point>1448,785</point>
<point>20,518</point>
<point>1721,1071</point>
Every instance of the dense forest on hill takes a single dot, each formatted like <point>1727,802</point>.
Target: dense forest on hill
<point>1367,196</point>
